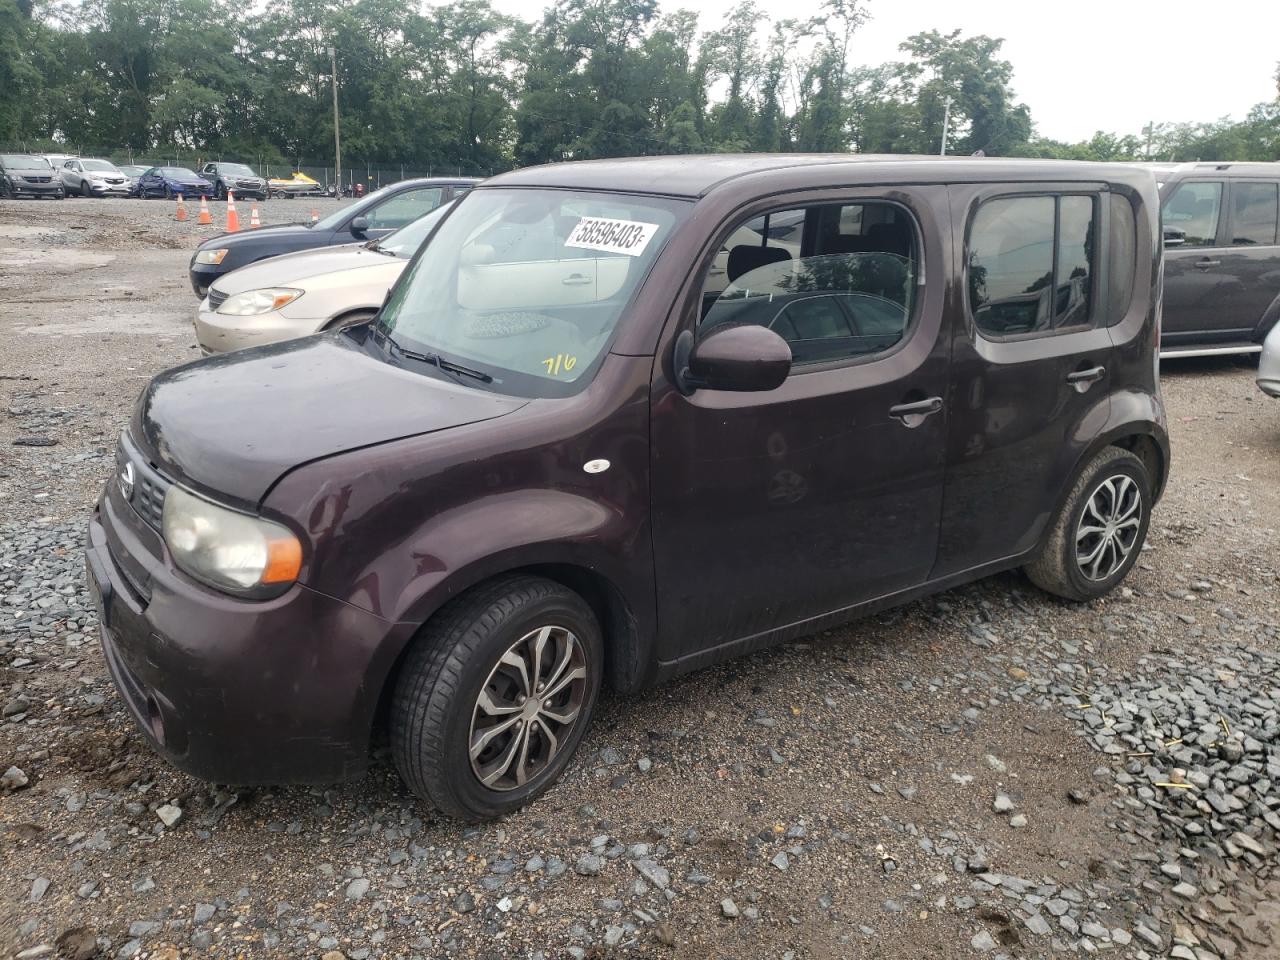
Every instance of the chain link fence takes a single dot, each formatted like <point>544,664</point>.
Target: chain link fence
<point>372,174</point>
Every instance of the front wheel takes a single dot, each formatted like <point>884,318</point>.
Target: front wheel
<point>1099,532</point>
<point>495,696</point>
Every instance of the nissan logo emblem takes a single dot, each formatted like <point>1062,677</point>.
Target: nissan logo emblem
<point>126,481</point>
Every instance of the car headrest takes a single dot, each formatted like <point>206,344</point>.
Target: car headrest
<point>745,258</point>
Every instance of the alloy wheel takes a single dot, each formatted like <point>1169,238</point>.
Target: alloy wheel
<point>528,706</point>
<point>1108,527</point>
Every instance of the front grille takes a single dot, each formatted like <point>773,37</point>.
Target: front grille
<point>149,484</point>
<point>216,298</point>
<point>37,179</point>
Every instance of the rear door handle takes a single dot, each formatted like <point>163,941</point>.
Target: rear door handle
<point>913,414</point>
<point>1206,263</point>
<point>1092,375</point>
<point>575,280</point>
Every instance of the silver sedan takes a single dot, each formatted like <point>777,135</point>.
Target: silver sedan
<point>1269,363</point>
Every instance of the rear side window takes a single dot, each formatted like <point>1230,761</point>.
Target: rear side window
<point>1254,212</point>
<point>1032,263</point>
<point>1191,214</point>
<point>1124,258</point>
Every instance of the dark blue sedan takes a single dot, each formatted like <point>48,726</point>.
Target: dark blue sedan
<point>168,182</point>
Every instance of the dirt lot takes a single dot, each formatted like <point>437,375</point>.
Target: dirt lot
<point>986,772</point>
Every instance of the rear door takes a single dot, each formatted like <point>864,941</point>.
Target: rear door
<point>1195,283</point>
<point>1030,379</point>
<point>1250,257</point>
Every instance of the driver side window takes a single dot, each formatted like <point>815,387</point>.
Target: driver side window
<point>836,281</point>
<point>404,208</point>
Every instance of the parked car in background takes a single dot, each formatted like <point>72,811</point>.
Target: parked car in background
<point>56,160</point>
<point>303,293</point>
<point>1269,364</point>
<point>90,177</point>
<point>297,185</point>
<point>1221,257</point>
<point>237,178</point>
<point>24,175</point>
<point>561,458</point>
<point>134,172</point>
<point>372,218</point>
<point>169,182</point>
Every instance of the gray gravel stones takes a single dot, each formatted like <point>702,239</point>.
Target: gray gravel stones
<point>588,865</point>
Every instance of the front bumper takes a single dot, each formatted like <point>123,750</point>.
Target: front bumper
<point>229,690</point>
<point>109,189</point>
<point>21,188</point>
<point>202,276</point>
<point>217,333</point>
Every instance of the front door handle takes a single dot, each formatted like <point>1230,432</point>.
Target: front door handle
<point>913,414</point>
<point>1092,375</point>
<point>575,280</point>
<point>1206,263</point>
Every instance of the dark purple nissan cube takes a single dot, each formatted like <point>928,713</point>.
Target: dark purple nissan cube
<point>618,420</point>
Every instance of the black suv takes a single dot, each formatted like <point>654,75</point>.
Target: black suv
<point>238,178</point>
<point>1221,256</point>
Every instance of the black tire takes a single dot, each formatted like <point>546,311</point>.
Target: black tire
<point>168,193</point>
<point>1059,567</point>
<point>452,661</point>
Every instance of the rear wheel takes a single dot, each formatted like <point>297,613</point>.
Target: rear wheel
<point>495,695</point>
<point>1100,530</point>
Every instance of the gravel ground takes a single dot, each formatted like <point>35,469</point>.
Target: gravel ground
<point>988,772</point>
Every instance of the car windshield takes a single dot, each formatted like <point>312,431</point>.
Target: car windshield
<point>18,162</point>
<point>236,169</point>
<point>133,170</point>
<point>525,287</point>
<point>98,165</point>
<point>404,243</point>
<point>177,172</point>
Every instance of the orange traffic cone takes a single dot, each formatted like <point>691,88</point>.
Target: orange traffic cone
<point>315,214</point>
<point>205,219</point>
<point>182,210</point>
<point>233,218</point>
<point>254,222</point>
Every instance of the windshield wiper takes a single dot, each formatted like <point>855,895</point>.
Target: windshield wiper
<point>446,365</point>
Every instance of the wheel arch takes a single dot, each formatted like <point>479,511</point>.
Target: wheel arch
<point>627,646</point>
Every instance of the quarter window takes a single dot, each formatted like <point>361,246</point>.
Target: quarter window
<point>836,281</point>
<point>1191,215</point>
<point>1031,263</point>
<point>1253,213</point>
<point>1124,258</point>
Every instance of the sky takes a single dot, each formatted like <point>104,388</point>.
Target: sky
<point>1080,65</point>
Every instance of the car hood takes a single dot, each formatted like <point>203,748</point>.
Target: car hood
<point>296,267</point>
<point>232,425</point>
<point>281,231</point>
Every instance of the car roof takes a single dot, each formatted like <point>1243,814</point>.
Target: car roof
<point>699,174</point>
<point>1220,168</point>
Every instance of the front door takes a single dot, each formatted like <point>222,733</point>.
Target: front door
<point>1195,283</point>
<point>1030,378</point>
<point>774,508</point>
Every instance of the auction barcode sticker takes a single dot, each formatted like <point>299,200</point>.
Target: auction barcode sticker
<point>612,236</point>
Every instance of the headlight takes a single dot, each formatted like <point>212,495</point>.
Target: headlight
<point>253,302</point>
<point>211,256</point>
<point>229,550</point>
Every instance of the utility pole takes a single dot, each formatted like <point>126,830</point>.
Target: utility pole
<point>337,141</point>
<point>1149,131</point>
<point>946,120</point>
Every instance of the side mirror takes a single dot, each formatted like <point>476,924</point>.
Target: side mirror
<point>743,359</point>
<point>359,225</point>
<point>1174,237</point>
